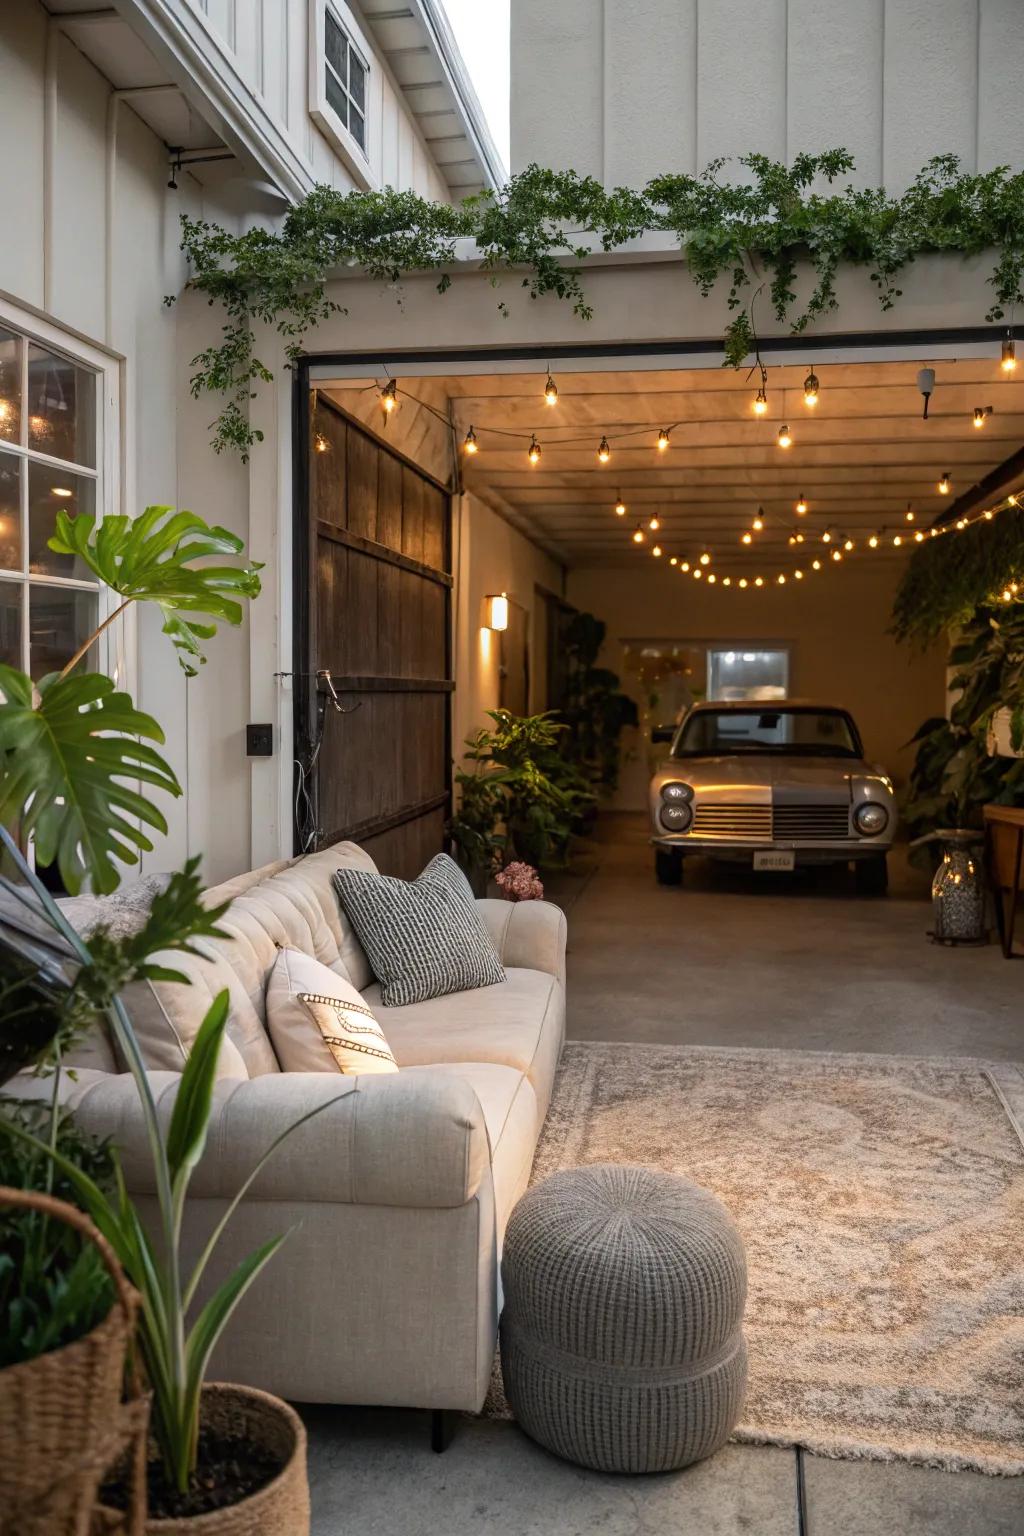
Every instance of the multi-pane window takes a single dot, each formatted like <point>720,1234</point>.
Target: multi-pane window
<point>49,603</point>
<point>345,78</point>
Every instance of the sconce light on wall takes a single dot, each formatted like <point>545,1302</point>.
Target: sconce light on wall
<point>496,611</point>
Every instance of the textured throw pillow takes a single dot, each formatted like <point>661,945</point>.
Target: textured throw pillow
<point>423,937</point>
<point>319,1023</point>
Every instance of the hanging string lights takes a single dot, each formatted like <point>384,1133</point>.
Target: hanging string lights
<point>638,535</point>
<point>389,396</point>
<point>551,390</point>
<point>945,484</point>
<point>758,522</point>
<point>470,444</point>
<point>801,506</point>
<point>533,452</point>
<point>981,414</point>
<point>663,439</point>
<point>909,513</point>
<point>784,438</point>
<point>811,388</point>
<point>620,505</point>
<point>604,452</point>
<point>1008,356</point>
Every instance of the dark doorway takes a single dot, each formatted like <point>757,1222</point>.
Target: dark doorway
<point>514,676</point>
<point>373,648</point>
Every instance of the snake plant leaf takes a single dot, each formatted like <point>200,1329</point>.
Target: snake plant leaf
<point>186,1136</point>
<point>162,556</point>
<point>70,758</point>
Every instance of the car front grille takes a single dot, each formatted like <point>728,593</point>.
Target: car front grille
<point>810,823</point>
<point>738,821</point>
<point>767,823</point>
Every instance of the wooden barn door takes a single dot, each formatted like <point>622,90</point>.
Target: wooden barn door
<point>373,610</point>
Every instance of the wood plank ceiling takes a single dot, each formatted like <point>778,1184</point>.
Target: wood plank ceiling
<point>860,457</point>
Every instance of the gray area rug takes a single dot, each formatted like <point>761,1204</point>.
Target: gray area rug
<point>881,1199</point>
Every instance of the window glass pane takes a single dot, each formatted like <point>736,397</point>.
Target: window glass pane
<point>337,98</point>
<point>59,619</point>
<point>10,512</point>
<point>744,672</point>
<point>10,387</point>
<point>61,408</point>
<point>47,490</point>
<point>335,42</point>
<point>10,623</point>
<point>357,127</point>
<point>357,79</point>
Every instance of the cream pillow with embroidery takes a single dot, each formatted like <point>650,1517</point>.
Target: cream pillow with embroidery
<point>319,1023</point>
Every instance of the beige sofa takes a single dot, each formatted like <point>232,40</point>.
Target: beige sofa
<point>396,1196</point>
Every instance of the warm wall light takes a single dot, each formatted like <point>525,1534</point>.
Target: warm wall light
<point>945,484</point>
<point>470,443</point>
<point>496,610</point>
<point>811,388</point>
<point>784,439</point>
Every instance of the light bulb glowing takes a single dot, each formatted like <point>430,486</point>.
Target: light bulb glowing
<point>748,538</point>
<point>673,560</point>
<point>656,551</point>
<point>470,443</point>
<point>638,534</point>
<point>1008,357</point>
<point>760,402</point>
<point>909,513</point>
<point>654,524</point>
<point>981,415</point>
<point>684,566</point>
<point>919,537</point>
<point>945,484</point>
<point>784,440</point>
<point>848,545</point>
<point>663,437</point>
<point>705,558</point>
<point>897,539</point>
<point>320,443</point>
<point>801,506</point>
<point>758,522</point>
<point>726,581</point>
<point>698,573</point>
<point>781,579</point>
<point>60,490</point>
<point>712,578</point>
<point>798,575</point>
<point>533,453</point>
<point>988,514</point>
<point>758,581</point>
<point>826,537</point>
<point>873,541</point>
<point>389,396</point>
<point>815,565</point>
<point>5,410</point>
<point>811,388</point>
<point>604,453</point>
<point>837,554</point>
<point>743,581</point>
<point>551,391</point>
<point>620,506</point>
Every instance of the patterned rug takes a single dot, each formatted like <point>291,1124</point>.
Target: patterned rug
<point>881,1200</point>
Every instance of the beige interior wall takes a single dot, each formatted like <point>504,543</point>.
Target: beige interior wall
<point>492,556</point>
<point>835,625</point>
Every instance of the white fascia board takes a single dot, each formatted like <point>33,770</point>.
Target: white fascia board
<point>442,40</point>
<point>208,76</point>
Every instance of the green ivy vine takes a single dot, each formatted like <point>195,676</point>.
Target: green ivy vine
<point>543,223</point>
<point>948,581</point>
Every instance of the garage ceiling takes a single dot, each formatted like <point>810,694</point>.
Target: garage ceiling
<point>860,456</point>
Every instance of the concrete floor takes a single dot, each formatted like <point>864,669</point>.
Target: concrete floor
<point>725,960</point>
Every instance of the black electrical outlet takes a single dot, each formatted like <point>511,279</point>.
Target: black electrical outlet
<point>259,741</point>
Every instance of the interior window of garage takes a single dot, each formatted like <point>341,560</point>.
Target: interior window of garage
<point>746,671</point>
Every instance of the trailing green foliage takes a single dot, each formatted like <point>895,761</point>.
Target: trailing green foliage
<point>948,580</point>
<point>54,1287</point>
<point>754,232</point>
<point>954,774</point>
<point>151,558</point>
<point>595,710</point>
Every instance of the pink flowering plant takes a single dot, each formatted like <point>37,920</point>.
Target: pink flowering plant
<point>520,882</point>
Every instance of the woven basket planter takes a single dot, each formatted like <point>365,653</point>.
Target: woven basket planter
<point>63,1418</point>
<point>281,1507</point>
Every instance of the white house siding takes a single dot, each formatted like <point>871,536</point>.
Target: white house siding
<point>623,89</point>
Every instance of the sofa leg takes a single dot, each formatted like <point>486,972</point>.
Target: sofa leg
<point>442,1429</point>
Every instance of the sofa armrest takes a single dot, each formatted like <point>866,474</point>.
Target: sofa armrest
<point>416,1140</point>
<point>527,934</point>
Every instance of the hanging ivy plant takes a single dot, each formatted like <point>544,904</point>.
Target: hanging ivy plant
<point>949,580</point>
<point>543,223</point>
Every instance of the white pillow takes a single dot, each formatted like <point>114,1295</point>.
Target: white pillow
<point>319,1023</point>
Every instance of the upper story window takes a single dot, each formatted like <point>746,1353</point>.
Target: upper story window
<point>346,77</point>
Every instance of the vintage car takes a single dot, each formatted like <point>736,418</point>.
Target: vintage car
<point>773,785</point>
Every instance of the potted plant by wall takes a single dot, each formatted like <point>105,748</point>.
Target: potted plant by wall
<point>230,1458</point>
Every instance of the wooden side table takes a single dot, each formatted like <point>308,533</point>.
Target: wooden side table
<point>1004,846</point>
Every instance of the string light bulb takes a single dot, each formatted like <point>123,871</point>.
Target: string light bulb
<point>743,581</point>
<point>873,541</point>
<point>656,551</point>
<point>919,537</point>
<point>551,391</point>
<point>945,484</point>
<point>321,444</point>
<point>663,437</point>
<point>837,554</point>
<point>604,453</point>
<point>620,505</point>
<point>638,535</point>
<point>801,506</point>
<point>758,581</point>
<point>655,523</point>
<point>811,388</point>
<point>726,581</point>
<point>909,513</point>
<point>897,540</point>
<point>798,575</point>
<point>705,558</point>
<point>784,439</point>
<point>712,578</point>
<point>815,565</point>
<point>533,452</point>
<point>848,545</point>
<point>673,560</point>
<point>748,538</point>
<point>389,396</point>
<point>697,573</point>
<point>981,414</point>
<point>826,537</point>
<point>684,566</point>
<point>780,578</point>
<point>761,402</point>
<point>470,443</point>
<point>758,522</point>
<point>1008,356</point>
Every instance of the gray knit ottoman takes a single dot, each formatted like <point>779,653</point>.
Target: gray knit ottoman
<point>621,1340</point>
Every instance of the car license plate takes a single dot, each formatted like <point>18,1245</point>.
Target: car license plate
<point>775,858</point>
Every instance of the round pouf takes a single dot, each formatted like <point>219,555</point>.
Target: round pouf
<point>621,1339</point>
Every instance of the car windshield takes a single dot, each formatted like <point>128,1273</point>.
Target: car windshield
<point>793,732</point>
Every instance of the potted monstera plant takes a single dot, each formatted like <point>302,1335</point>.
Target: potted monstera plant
<point>73,750</point>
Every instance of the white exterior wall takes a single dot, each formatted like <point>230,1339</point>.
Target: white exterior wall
<point>626,89</point>
<point>89,242</point>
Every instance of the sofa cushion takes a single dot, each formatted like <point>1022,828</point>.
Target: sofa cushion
<point>519,1023</point>
<point>423,937</point>
<point>319,1023</point>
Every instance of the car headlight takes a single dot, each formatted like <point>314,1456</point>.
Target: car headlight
<point>676,816</point>
<point>675,792</point>
<point>871,818</point>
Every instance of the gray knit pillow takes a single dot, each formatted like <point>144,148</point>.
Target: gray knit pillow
<point>423,937</point>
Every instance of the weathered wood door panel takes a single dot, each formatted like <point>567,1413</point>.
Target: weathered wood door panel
<point>376,616</point>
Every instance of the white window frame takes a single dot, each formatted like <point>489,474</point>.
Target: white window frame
<point>355,157</point>
<point>116,644</point>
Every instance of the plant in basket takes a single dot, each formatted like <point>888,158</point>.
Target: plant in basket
<point>72,750</point>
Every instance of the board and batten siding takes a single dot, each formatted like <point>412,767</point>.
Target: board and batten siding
<point>626,89</point>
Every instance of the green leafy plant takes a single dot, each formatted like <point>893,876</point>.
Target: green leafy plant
<point>753,233</point>
<point>595,711</point>
<point>949,580</point>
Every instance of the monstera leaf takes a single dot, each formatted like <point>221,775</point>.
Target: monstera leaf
<point>68,757</point>
<point>151,558</point>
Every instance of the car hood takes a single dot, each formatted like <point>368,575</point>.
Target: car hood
<point>778,775</point>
